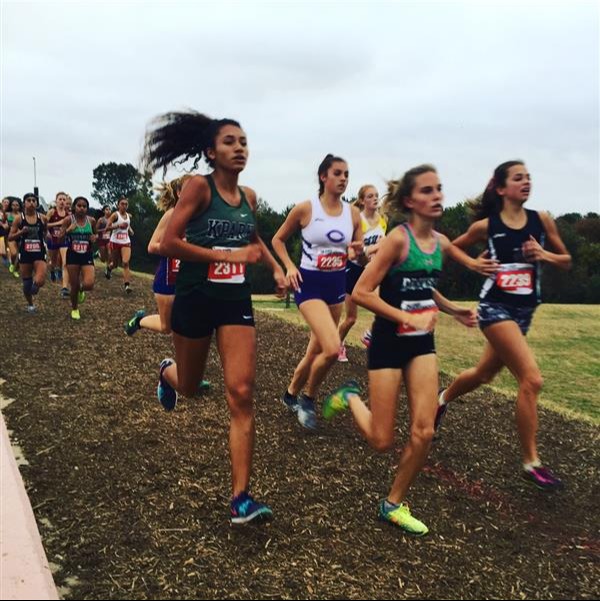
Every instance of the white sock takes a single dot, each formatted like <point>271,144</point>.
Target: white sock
<point>442,397</point>
<point>528,467</point>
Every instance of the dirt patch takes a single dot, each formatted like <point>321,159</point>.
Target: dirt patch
<point>132,501</point>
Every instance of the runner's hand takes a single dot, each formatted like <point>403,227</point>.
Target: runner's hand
<point>424,322</point>
<point>293,278</point>
<point>280,283</point>
<point>486,266</point>
<point>468,317</point>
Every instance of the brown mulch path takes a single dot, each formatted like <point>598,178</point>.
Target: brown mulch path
<point>132,501</point>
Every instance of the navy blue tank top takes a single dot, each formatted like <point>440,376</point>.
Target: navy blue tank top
<point>518,281</point>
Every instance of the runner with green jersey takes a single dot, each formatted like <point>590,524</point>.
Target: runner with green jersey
<point>80,230</point>
<point>399,287</point>
<point>220,227</point>
<point>212,231</point>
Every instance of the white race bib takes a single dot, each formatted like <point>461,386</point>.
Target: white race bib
<point>223,272</point>
<point>80,246</point>
<point>515,278</point>
<point>415,308</point>
<point>32,246</point>
<point>332,261</point>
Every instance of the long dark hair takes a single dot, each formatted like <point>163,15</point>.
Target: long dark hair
<point>324,168</point>
<point>490,201</point>
<point>178,136</point>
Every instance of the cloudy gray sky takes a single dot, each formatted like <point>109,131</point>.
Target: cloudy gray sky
<point>386,85</point>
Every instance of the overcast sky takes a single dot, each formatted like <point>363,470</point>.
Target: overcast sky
<point>386,85</point>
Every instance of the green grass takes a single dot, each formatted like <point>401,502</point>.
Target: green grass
<point>563,337</point>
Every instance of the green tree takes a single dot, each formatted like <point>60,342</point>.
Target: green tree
<point>115,180</point>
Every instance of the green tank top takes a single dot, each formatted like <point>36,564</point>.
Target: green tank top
<point>79,238</point>
<point>219,226</point>
<point>409,285</point>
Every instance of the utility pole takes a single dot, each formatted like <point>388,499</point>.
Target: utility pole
<point>35,188</point>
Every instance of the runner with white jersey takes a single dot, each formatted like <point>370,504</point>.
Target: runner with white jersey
<point>331,233</point>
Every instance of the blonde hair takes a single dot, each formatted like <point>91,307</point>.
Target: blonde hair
<point>360,200</point>
<point>399,189</point>
<point>169,192</point>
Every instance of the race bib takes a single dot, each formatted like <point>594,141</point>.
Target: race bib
<point>223,272</point>
<point>32,246</point>
<point>515,278</point>
<point>335,261</point>
<point>105,235</point>
<point>122,236</point>
<point>80,246</point>
<point>172,270</point>
<point>415,308</point>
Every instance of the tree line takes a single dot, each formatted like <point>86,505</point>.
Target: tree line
<point>580,233</point>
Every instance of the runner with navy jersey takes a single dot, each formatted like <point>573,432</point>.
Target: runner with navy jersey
<point>331,233</point>
<point>29,229</point>
<point>516,237</point>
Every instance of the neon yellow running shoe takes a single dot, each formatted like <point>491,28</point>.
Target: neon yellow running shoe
<point>75,314</point>
<point>337,401</point>
<point>399,515</point>
<point>80,296</point>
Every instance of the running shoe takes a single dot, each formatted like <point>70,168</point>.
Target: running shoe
<point>306,412</point>
<point>81,297</point>
<point>107,273</point>
<point>342,358</point>
<point>11,268</point>
<point>167,395</point>
<point>203,386</point>
<point>75,314</point>
<point>366,338</point>
<point>290,401</point>
<point>15,271</point>
<point>31,309</point>
<point>127,288</point>
<point>399,515</point>
<point>542,477</point>
<point>337,401</point>
<point>133,325</point>
<point>64,293</point>
<point>245,509</point>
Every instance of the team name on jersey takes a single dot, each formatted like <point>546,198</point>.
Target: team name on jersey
<point>370,240</point>
<point>232,230</point>
<point>418,283</point>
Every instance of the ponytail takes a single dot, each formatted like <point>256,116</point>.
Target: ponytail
<point>399,189</point>
<point>490,202</point>
<point>178,136</point>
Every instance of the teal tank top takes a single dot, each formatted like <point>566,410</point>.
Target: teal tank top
<point>220,226</point>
